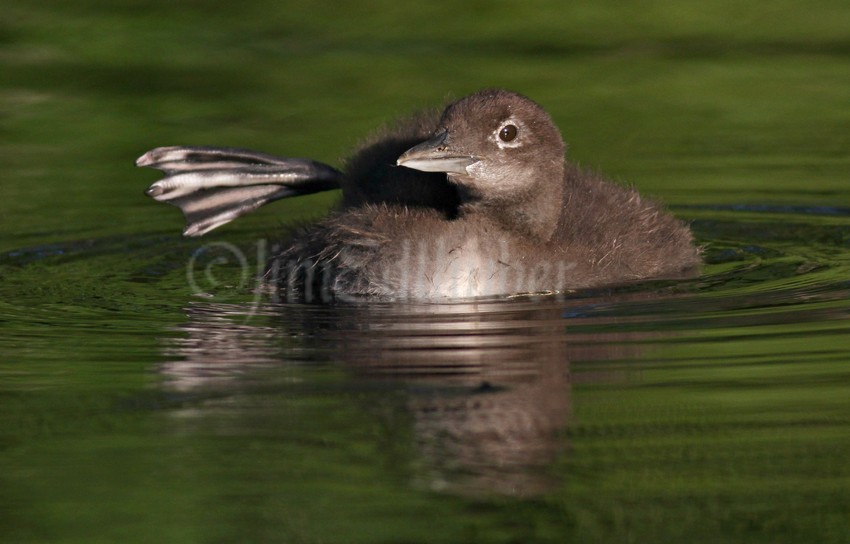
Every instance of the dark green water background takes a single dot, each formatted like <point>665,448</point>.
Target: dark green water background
<point>147,395</point>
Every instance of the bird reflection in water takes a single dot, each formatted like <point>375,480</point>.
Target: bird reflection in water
<point>487,385</point>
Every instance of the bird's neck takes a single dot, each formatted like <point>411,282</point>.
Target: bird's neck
<point>534,211</point>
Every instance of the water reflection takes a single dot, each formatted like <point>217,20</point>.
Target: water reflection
<point>487,385</point>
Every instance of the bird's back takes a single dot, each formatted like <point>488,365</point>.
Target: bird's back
<point>372,177</point>
<point>621,234</point>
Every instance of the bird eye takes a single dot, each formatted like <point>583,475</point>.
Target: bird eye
<point>508,133</point>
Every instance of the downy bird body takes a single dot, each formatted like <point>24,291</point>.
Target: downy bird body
<point>476,200</point>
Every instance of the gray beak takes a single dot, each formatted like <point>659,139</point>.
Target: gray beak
<point>435,155</point>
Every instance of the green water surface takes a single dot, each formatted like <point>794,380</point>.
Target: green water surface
<point>143,400</point>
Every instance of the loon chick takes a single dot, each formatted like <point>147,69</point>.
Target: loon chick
<point>477,201</point>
